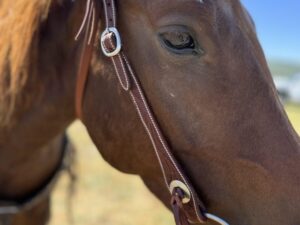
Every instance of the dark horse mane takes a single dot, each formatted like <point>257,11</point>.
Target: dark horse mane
<point>19,25</point>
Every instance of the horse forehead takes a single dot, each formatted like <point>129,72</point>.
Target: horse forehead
<point>201,2</point>
<point>179,3</point>
<point>226,6</point>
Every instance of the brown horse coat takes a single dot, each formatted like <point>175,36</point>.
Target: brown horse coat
<point>218,108</point>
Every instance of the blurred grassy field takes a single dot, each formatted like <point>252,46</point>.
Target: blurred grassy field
<point>294,115</point>
<point>105,196</point>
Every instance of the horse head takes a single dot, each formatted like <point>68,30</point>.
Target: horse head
<point>206,78</point>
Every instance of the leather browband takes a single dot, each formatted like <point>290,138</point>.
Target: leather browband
<point>186,205</point>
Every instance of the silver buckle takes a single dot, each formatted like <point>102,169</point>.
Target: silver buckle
<point>178,184</point>
<point>216,219</point>
<point>118,41</point>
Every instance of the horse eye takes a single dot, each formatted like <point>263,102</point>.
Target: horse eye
<point>179,42</point>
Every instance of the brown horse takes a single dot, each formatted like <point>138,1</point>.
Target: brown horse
<point>205,76</point>
<point>30,150</point>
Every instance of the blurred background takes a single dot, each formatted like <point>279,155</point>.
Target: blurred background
<point>277,25</point>
<point>107,197</point>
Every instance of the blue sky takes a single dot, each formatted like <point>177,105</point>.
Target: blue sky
<point>278,27</point>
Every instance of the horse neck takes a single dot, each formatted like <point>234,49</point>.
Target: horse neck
<point>45,106</point>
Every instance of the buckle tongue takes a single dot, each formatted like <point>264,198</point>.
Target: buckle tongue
<point>178,184</point>
<point>115,32</point>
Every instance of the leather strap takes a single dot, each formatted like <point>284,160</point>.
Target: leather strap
<point>8,209</point>
<point>176,203</point>
<point>194,208</point>
<point>90,21</point>
<point>186,205</point>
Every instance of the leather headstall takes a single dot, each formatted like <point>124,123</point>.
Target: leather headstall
<point>186,204</point>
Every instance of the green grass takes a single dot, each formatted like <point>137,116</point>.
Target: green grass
<point>282,68</point>
<point>293,112</point>
<point>107,197</point>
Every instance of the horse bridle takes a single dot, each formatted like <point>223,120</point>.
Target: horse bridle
<point>186,205</point>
